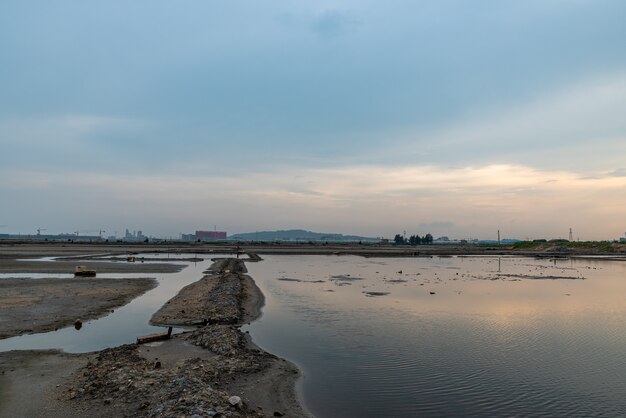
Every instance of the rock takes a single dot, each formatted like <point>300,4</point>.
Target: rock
<point>78,324</point>
<point>278,414</point>
<point>157,364</point>
<point>234,400</point>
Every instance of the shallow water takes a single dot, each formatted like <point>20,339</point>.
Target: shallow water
<point>123,326</point>
<point>495,337</point>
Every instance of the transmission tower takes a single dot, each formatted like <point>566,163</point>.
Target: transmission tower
<point>571,235</point>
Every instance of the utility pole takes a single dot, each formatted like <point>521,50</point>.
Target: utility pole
<point>498,237</point>
<point>571,235</point>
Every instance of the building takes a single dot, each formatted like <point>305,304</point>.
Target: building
<point>134,236</point>
<point>210,235</point>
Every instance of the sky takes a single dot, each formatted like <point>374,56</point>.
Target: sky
<point>450,117</point>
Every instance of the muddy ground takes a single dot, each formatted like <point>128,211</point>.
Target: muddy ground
<point>67,267</point>
<point>214,370</point>
<point>40,305</point>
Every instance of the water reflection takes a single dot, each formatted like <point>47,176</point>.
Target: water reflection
<point>499,336</point>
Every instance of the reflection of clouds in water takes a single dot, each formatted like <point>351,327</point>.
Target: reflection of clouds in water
<point>478,342</point>
<point>474,278</point>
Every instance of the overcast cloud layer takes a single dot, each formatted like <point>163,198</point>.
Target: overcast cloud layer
<point>365,117</point>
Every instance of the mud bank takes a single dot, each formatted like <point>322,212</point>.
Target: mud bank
<point>214,370</point>
<point>67,267</point>
<point>39,305</point>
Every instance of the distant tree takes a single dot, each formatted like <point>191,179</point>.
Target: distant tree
<point>398,239</point>
<point>415,240</point>
<point>428,239</point>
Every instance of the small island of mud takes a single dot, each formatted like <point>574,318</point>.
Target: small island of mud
<point>39,305</point>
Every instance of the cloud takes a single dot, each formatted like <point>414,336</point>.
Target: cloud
<point>88,142</point>
<point>581,125</point>
<point>474,200</point>
<point>63,130</point>
<point>332,23</point>
<point>437,226</point>
<point>620,172</point>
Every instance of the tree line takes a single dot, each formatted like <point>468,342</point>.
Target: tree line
<point>413,239</point>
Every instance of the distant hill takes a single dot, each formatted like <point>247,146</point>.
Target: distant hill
<point>299,235</point>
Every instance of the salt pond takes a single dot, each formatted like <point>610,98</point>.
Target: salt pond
<point>441,336</point>
<point>453,336</point>
<point>122,326</point>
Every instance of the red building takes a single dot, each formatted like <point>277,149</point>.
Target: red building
<point>210,235</point>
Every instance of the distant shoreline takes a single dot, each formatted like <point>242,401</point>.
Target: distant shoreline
<point>12,250</point>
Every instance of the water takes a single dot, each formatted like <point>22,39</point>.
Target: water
<point>123,326</point>
<point>495,339</point>
<point>498,337</point>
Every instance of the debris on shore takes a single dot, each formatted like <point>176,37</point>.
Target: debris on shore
<point>121,381</point>
<point>84,271</point>
<point>214,370</point>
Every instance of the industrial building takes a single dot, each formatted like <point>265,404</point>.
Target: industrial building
<point>210,235</point>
